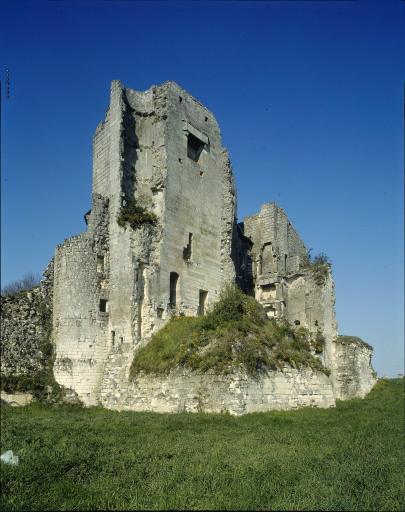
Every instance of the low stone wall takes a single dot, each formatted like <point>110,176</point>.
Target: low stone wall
<point>352,373</point>
<point>236,393</point>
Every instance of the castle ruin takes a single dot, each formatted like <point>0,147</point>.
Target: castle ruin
<point>158,154</point>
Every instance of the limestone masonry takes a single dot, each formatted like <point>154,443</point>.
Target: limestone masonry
<point>114,286</point>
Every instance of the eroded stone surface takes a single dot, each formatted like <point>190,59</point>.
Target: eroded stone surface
<point>352,373</point>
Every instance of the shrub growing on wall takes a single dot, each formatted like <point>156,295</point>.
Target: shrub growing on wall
<point>135,215</point>
<point>320,266</point>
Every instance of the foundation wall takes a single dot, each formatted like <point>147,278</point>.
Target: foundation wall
<point>237,393</point>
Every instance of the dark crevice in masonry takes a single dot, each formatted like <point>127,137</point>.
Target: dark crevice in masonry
<point>129,144</point>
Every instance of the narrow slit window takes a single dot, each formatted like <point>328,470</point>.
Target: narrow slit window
<point>194,147</point>
<point>100,263</point>
<point>201,302</point>
<point>174,284</point>
<point>187,251</point>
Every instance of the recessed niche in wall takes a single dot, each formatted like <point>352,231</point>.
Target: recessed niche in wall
<point>194,147</point>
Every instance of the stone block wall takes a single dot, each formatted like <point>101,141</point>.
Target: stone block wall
<point>199,205</point>
<point>235,393</point>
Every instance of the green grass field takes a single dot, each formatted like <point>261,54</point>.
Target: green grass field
<point>348,458</point>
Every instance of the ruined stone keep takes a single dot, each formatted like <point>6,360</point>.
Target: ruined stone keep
<point>158,157</point>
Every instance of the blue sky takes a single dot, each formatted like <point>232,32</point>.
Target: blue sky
<point>309,98</point>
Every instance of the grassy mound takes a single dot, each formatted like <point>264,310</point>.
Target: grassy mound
<point>234,334</point>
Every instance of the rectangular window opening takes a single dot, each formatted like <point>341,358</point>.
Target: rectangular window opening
<point>174,284</point>
<point>194,147</point>
<point>100,263</point>
<point>201,302</point>
<point>103,306</point>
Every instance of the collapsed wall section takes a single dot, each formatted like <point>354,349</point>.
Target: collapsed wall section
<point>277,248</point>
<point>25,344</point>
<point>284,282</point>
<point>352,373</point>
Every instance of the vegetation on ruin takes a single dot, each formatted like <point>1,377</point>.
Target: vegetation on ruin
<point>319,343</point>
<point>344,458</point>
<point>347,340</point>
<point>135,215</point>
<point>319,265</point>
<point>234,334</point>
<point>41,384</point>
<point>26,283</point>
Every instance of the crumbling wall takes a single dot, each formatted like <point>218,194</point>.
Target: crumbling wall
<point>26,345</point>
<point>277,248</point>
<point>284,281</point>
<point>352,373</point>
<point>236,393</point>
<point>312,305</point>
<point>25,328</point>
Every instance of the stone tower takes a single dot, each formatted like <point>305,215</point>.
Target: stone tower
<point>161,239</point>
<point>114,285</point>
